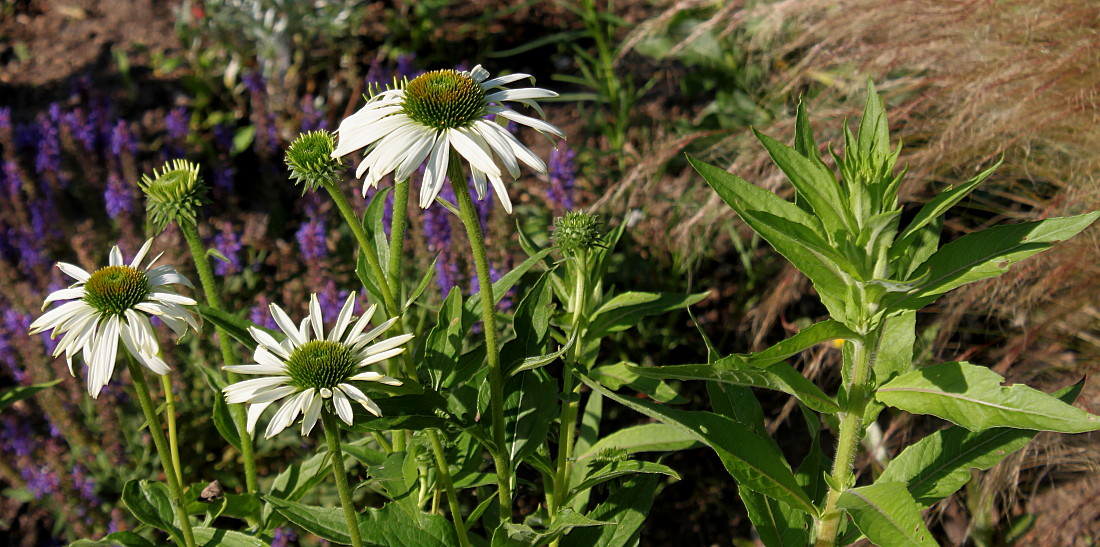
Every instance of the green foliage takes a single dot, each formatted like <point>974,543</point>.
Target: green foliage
<point>15,394</point>
<point>886,513</point>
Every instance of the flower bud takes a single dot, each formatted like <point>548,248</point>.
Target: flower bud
<point>174,194</point>
<point>310,160</point>
<point>577,232</point>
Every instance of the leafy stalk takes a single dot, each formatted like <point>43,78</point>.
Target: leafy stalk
<point>170,474</point>
<point>332,437</point>
<point>210,289</point>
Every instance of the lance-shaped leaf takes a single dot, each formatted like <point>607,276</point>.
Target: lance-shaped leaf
<point>622,374</point>
<point>972,396</point>
<point>655,437</point>
<point>530,405</point>
<point>749,458</point>
<point>939,464</point>
<point>934,209</point>
<point>530,324</point>
<point>776,523</point>
<point>794,233</point>
<point>626,310</point>
<point>443,345</point>
<point>778,376</point>
<point>125,539</point>
<point>814,182</point>
<point>521,535</point>
<point>983,254</point>
<point>614,470</point>
<point>808,337</point>
<point>501,286</point>
<point>214,537</point>
<point>626,509</point>
<point>886,514</point>
<point>13,395</point>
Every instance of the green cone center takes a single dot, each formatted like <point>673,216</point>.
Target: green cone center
<point>444,99</point>
<point>115,289</point>
<point>321,364</point>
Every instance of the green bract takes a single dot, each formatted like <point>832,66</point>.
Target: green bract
<point>310,160</point>
<point>175,193</point>
<point>577,232</point>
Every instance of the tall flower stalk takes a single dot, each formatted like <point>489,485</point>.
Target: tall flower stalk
<point>174,195</point>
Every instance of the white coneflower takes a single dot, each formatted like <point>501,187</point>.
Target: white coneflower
<point>309,367</point>
<point>438,112</point>
<point>113,304</point>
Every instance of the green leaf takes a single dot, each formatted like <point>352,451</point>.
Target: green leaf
<point>150,503</point>
<point>895,347</point>
<point>213,537</point>
<point>806,338</point>
<point>749,458</point>
<point>939,464</point>
<point>13,395</point>
<point>984,254</point>
<point>324,522</point>
<point>390,526</point>
<point>655,437</point>
<point>242,139</point>
<point>414,412</point>
<point>972,396</point>
<point>614,470</point>
<point>375,227</point>
<point>778,376</point>
<point>125,539</point>
<point>500,287</point>
<point>814,182</point>
<point>444,342</point>
<point>794,233</point>
<point>235,326</point>
<point>934,209</point>
<point>626,310</point>
<point>622,374</point>
<point>777,524</point>
<point>626,509</point>
<point>426,280</point>
<point>223,421</point>
<point>510,534</point>
<point>530,406</point>
<point>886,514</point>
<point>530,323</point>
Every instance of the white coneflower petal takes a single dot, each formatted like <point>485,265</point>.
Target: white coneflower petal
<point>111,306</point>
<point>254,412</point>
<point>309,367</point>
<point>424,120</point>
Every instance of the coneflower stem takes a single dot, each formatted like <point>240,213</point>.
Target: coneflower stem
<point>332,435</point>
<point>210,289</point>
<point>489,326</point>
<point>567,424</point>
<point>142,389</point>
<point>365,247</point>
<point>448,486</point>
<point>170,411</point>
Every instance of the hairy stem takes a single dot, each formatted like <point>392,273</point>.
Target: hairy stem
<point>142,389</point>
<point>210,289</point>
<point>170,411</point>
<point>365,247</point>
<point>448,486</point>
<point>567,423</point>
<point>488,318</point>
<point>332,436</point>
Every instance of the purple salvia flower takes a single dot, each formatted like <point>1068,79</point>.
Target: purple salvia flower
<point>483,206</point>
<point>122,140</point>
<point>13,327</point>
<point>437,230</point>
<point>13,184</point>
<point>85,484</point>
<point>254,82</point>
<point>331,300</point>
<point>178,123</point>
<point>5,119</point>
<point>563,178</point>
<point>48,157</point>
<point>26,136</point>
<point>82,129</point>
<point>17,436</point>
<point>119,197</point>
<point>283,536</point>
<point>41,481</point>
<point>377,77</point>
<point>261,314</point>
<point>311,239</point>
<point>228,243</point>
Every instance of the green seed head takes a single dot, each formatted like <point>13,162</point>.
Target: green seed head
<point>174,194</point>
<point>310,160</point>
<point>444,99</point>
<point>115,289</point>
<point>321,364</point>
<point>577,232</point>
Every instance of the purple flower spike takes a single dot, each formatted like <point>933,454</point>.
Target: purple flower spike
<point>82,128</point>
<point>178,123</point>
<point>563,178</point>
<point>283,536</point>
<point>48,158</point>
<point>122,140</point>
<point>119,197</point>
<point>311,239</point>
<point>228,243</point>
